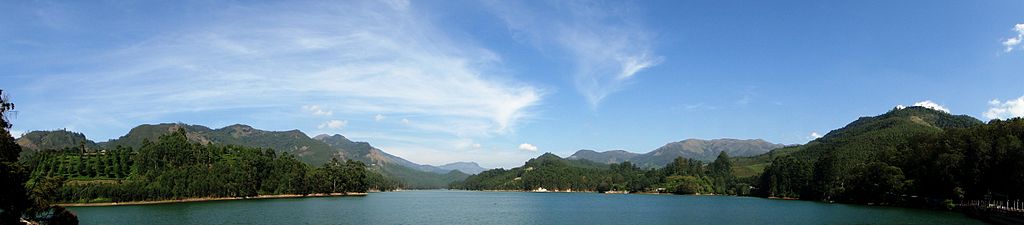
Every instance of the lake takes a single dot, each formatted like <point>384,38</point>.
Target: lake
<point>467,207</point>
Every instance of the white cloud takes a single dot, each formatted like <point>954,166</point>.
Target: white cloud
<point>1012,42</point>
<point>379,117</point>
<point>405,121</point>
<point>931,105</point>
<point>467,144</point>
<point>814,134</point>
<point>16,133</point>
<point>316,110</point>
<point>1005,110</point>
<point>605,42</point>
<point>333,124</point>
<point>358,59</point>
<point>527,147</point>
<point>901,106</point>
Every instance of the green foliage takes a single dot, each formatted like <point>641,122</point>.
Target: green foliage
<point>13,196</point>
<point>906,156</point>
<point>550,172</point>
<point>16,202</point>
<point>174,167</point>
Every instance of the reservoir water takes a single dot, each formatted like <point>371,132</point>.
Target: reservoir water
<point>467,207</point>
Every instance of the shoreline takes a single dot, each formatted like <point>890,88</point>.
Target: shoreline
<point>210,199</point>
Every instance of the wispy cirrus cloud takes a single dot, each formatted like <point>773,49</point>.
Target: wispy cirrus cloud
<point>282,66</point>
<point>1011,43</point>
<point>357,59</point>
<point>316,110</point>
<point>605,41</point>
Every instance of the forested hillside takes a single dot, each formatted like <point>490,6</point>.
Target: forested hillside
<point>58,139</point>
<point>906,156</point>
<point>313,151</point>
<point>174,168</point>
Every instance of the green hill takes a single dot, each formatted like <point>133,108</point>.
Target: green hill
<point>295,142</point>
<point>313,151</point>
<point>914,151</point>
<point>57,139</point>
<point>864,137</point>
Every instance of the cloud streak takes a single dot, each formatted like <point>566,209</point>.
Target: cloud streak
<point>316,110</point>
<point>606,44</point>
<point>385,67</point>
<point>1011,43</point>
<point>333,124</point>
<point>358,59</point>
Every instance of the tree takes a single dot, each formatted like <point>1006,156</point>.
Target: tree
<point>721,174</point>
<point>13,197</point>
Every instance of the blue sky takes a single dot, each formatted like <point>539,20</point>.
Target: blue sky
<point>499,82</point>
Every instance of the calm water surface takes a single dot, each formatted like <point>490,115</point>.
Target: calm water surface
<point>464,207</point>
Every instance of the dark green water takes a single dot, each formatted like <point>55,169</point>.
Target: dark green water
<point>461,207</point>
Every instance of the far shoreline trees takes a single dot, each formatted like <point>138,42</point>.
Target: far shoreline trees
<point>550,172</point>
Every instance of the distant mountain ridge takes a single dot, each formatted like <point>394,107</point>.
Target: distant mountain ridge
<point>465,167</point>
<point>607,157</point>
<point>364,152</point>
<point>705,150</point>
<point>316,150</point>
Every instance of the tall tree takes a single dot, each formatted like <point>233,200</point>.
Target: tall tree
<point>13,198</point>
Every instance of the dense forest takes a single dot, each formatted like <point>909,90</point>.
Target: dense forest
<point>313,151</point>
<point>904,158</point>
<point>173,168</point>
<point>550,172</point>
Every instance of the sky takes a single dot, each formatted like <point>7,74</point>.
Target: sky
<point>499,82</point>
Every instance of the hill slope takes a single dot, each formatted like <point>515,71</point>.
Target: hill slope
<point>314,151</point>
<point>867,160</point>
<point>57,139</point>
<point>607,157</point>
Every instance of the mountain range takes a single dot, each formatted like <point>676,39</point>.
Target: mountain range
<point>705,150</point>
<point>316,150</point>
